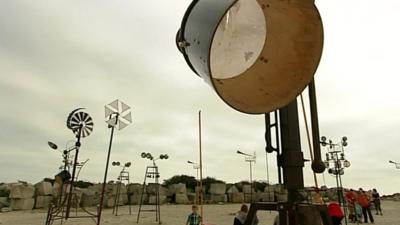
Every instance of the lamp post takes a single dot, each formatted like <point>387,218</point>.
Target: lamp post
<point>336,163</point>
<point>196,166</point>
<point>395,163</point>
<point>250,159</point>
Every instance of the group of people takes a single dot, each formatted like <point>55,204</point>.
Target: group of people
<point>359,204</point>
<point>195,219</point>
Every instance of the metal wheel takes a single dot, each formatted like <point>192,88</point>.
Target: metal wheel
<point>78,119</point>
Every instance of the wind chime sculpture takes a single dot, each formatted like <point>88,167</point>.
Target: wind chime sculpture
<point>151,173</point>
<point>122,177</point>
<point>117,115</point>
<point>81,125</point>
<point>259,55</point>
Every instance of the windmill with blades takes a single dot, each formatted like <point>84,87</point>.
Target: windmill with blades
<point>117,115</point>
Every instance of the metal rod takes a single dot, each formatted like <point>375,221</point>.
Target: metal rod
<point>317,164</point>
<point>278,147</point>
<point>77,144</point>
<point>251,183</point>
<point>201,170</point>
<point>105,174</point>
<point>309,139</point>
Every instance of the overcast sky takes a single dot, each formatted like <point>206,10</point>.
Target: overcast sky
<point>56,56</point>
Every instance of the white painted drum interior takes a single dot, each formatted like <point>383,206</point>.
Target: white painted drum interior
<point>238,41</point>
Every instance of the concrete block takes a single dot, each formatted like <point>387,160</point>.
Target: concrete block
<point>90,197</point>
<point>265,197</point>
<point>236,197</point>
<point>247,188</point>
<point>281,197</point>
<point>152,199</point>
<point>181,199</point>
<point>4,202</point>
<point>114,188</point>
<point>232,189</point>
<point>21,190</point>
<point>43,201</point>
<point>22,203</point>
<point>217,188</point>
<point>192,198</point>
<point>43,188</point>
<point>176,189</point>
<point>151,188</point>
<point>219,198</point>
<point>134,189</point>
<point>135,199</point>
<point>163,191</point>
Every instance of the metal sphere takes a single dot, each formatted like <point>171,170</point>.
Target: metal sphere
<point>346,164</point>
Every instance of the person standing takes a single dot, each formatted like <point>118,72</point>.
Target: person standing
<point>335,212</point>
<point>241,216</point>
<point>194,218</point>
<point>364,201</point>
<point>377,201</point>
<point>351,199</point>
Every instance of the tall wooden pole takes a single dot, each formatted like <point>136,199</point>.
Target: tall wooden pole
<point>201,171</point>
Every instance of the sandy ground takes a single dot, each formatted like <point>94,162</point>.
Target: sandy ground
<point>176,215</point>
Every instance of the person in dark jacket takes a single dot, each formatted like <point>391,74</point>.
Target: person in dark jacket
<point>241,216</point>
<point>377,201</point>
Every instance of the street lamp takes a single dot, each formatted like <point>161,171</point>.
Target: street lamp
<point>196,166</point>
<point>395,163</point>
<point>250,159</point>
<point>336,162</point>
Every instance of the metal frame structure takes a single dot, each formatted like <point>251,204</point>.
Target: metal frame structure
<point>336,163</point>
<point>81,125</point>
<point>123,176</point>
<point>250,159</point>
<point>152,173</point>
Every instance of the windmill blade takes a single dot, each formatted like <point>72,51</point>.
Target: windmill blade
<point>125,107</point>
<point>108,111</point>
<point>112,121</point>
<point>114,105</point>
<point>128,117</point>
<point>122,125</point>
<point>79,121</point>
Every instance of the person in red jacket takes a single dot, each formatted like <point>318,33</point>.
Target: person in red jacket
<point>336,213</point>
<point>364,201</point>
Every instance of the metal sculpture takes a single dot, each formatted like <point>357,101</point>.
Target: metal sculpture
<point>258,55</point>
<point>151,173</point>
<point>250,159</point>
<point>117,115</point>
<point>81,124</point>
<point>336,162</point>
<point>123,176</point>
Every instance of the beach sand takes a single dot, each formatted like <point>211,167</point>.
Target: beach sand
<point>176,215</point>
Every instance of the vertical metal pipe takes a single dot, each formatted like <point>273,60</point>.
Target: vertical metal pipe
<point>201,170</point>
<point>317,165</point>
<point>77,146</point>
<point>105,174</point>
<point>251,183</point>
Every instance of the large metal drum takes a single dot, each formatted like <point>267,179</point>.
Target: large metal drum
<point>257,54</point>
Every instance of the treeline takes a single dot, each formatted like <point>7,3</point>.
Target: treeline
<point>191,183</point>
